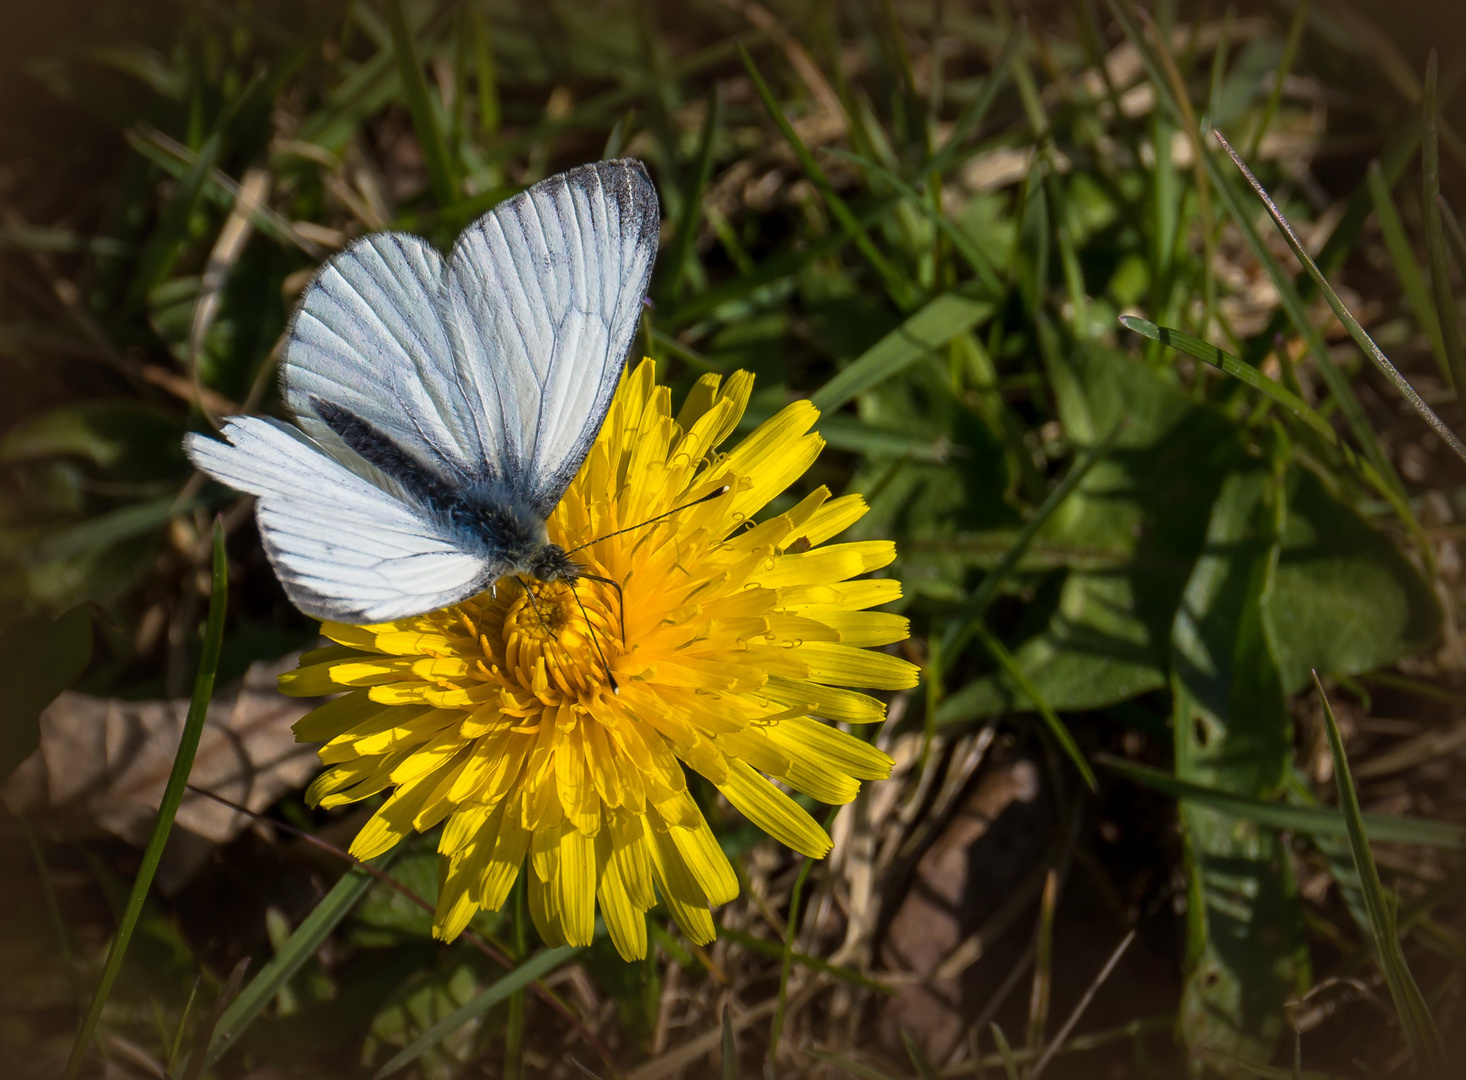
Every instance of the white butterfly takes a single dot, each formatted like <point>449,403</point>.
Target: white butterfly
<point>444,406</point>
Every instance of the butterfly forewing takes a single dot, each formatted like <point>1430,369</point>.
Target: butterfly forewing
<point>370,338</point>
<point>544,295</point>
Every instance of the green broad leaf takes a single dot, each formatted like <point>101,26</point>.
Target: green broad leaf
<point>111,528</point>
<point>958,630</point>
<point>48,656</point>
<point>426,997</point>
<point>1218,358</point>
<point>934,505</point>
<point>1035,697</point>
<point>1135,526</point>
<point>941,320</point>
<point>1345,600</point>
<point>536,967</point>
<point>385,916</point>
<point>1306,820</point>
<point>1246,955</point>
<point>129,439</point>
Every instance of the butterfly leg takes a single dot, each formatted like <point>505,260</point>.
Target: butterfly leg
<point>533,603</point>
<point>620,597</point>
<point>610,679</point>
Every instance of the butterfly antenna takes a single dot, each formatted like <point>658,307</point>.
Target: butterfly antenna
<point>615,686</point>
<point>641,525</point>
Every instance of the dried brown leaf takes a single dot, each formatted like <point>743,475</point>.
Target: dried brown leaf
<point>103,762</point>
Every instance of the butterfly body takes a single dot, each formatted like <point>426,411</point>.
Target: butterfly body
<point>443,405</point>
<point>483,514</point>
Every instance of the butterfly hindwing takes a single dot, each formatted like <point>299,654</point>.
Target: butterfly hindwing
<point>544,297</point>
<point>344,549</point>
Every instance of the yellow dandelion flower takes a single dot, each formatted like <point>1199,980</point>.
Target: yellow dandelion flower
<point>496,717</point>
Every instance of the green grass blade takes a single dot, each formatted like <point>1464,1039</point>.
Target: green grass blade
<point>168,239</point>
<point>785,263</point>
<point>486,73</point>
<point>1032,241</point>
<point>941,320</point>
<point>924,1068</point>
<point>1304,820</point>
<point>1453,233</point>
<point>791,927</point>
<point>1397,243</point>
<point>1207,353</point>
<point>774,949</point>
<point>188,744</point>
<point>1010,1064</point>
<point>846,1066</point>
<point>972,117</point>
<point>206,1032</point>
<point>290,957</point>
<point>1363,340</point>
<point>1435,241</point>
<point>420,107</point>
<point>964,244</point>
<point>1285,65</point>
<point>1420,1030</point>
<point>896,286</point>
<point>961,628</point>
<point>53,912</point>
<point>536,967</point>
<point>1005,660</point>
<point>1235,1066</point>
<point>692,200</point>
<point>1397,156</point>
<point>1292,303</point>
<point>730,1046</point>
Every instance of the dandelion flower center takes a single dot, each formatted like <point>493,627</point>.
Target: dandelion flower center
<point>739,644</point>
<point>547,640</point>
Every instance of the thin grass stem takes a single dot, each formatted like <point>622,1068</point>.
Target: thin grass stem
<point>188,743</point>
<point>1363,340</point>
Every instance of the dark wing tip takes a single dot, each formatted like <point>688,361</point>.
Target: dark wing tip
<point>624,180</point>
<point>627,183</point>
